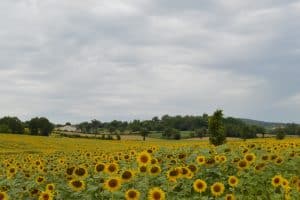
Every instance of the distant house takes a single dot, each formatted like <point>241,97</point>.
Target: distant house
<point>68,128</point>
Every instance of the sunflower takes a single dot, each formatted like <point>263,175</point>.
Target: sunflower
<point>223,159</point>
<point>50,187</point>
<point>40,179</point>
<point>229,197</point>
<point>243,164</point>
<point>143,169</point>
<point>127,175</point>
<point>112,168</point>
<point>144,158</point>
<point>132,194</point>
<point>199,185</point>
<point>77,185</point>
<point>156,194</point>
<point>185,172</point>
<point>200,160</point>
<point>265,157</point>
<point>173,174</point>
<point>217,189</point>
<point>284,183</point>
<point>153,161</point>
<point>99,167</point>
<point>113,184</point>
<point>193,168</point>
<point>46,196</point>
<point>11,172</point>
<point>276,180</point>
<point>233,181</point>
<point>154,170</point>
<point>250,157</point>
<point>70,170</point>
<point>3,196</point>
<point>81,172</point>
<point>279,161</point>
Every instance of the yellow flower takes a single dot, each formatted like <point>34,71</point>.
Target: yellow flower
<point>99,167</point>
<point>112,168</point>
<point>229,197</point>
<point>199,185</point>
<point>46,196</point>
<point>77,185</point>
<point>200,160</point>
<point>156,194</point>
<point>40,179</point>
<point>233,181</point>
<point>217,189</point>
<point>276,180</point>
<point>3,196</point>
<point>173,174</point>
<point>50,187</point>
<point>81,172</point>
<point>113,184</point>
<point>250,157</point>
<point>242,164</point>
<point>127,175</point>
<point>185,172</point>
<point>154,170</point>
<point>284,183</point>
<point>144,158</point>
<point>132,194</point>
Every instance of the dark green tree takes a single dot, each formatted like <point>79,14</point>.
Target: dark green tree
<point>280,134</point>
<point>216,128</point>
<point>40,126</point>
<point>14,124</point>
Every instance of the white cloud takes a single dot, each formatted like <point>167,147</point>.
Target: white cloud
<point>77,60</point>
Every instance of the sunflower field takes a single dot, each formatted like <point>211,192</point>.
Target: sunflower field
<point>33,167</point>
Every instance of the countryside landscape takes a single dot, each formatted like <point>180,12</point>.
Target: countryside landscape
<point>149,100</point>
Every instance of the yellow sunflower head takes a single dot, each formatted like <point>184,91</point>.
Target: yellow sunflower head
<point>3,196</point>
<point>217,189</point>
<point>199,185</point>
<point>200,160</point>
<point>113,184</point>
<point>77,185</point>
<point>233,181</point>
<point>144,158</point>
<point>99,167</point>
<point>132,194</point>
<point>243,164</point>
<point>112,168</point>
<point>81,172</point>
<point>156,194</point>
<point>250,157</point>
<point>154,170</point>
<point>277,180</point>
<point>229,197</point>
<point>50,187</point>
<point>46,196</point>
<point>127,175</point>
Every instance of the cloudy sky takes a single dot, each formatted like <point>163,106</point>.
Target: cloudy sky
<point>74,60</point>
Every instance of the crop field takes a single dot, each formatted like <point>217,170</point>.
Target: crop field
<point>45,168</point>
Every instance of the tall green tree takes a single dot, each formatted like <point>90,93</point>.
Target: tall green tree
<point>12,125</point>
<point>216,128</point>
<point>40,126</point>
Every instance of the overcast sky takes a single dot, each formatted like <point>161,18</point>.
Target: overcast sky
<point>75,60</point>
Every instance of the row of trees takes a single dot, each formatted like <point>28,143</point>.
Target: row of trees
<point>169,126</point>
<point>35,126</point>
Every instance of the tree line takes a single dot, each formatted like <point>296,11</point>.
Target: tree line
<point>168,126</point>
<point>36,126</point>
<point>171,126</point>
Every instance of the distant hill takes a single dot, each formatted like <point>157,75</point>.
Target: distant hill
<point>267,125</point>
